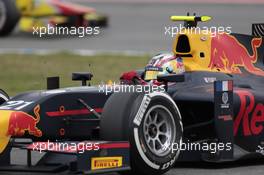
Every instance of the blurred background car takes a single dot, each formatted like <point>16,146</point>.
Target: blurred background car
<point>39,13</point>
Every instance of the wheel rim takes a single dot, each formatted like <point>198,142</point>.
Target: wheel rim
<point>159,130</point>
<point>2,14</point>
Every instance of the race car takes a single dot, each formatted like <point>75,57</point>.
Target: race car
<point>203,101</point>
<point>30,14</point>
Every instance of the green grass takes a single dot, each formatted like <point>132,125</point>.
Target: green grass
<point>21,73</point>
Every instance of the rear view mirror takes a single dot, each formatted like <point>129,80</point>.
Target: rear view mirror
<point>82,76</point>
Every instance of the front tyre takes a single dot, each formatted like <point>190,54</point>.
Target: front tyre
<point>150,122</point>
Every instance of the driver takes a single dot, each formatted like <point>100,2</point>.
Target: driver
<point>160,64</point>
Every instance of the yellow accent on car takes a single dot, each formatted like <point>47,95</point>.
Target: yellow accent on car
<point>198,57</point>
<point>33,8</point>
<point>205,18</point>
<point>110,83</point>
<point>24,5</point>
<point>92,16</point>
<point>182,18</point>
<point>190,18</point>
<point>59,19</point>
<point>26,24</point>
<point>4,124</point>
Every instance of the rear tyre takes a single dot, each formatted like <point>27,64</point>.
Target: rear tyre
<point>9,16</point>
<point>150,122</point>
<point>3,96</point>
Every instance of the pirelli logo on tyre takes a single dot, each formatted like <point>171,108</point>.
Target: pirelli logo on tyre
<point>98,163</point>
<point>142,109</point>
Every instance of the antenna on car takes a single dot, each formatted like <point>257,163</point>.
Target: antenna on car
<point>191,21</point>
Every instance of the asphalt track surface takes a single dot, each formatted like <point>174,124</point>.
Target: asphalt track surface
<point>140,27</point>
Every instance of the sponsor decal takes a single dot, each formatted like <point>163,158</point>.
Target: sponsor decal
<point>106,162</point>
<point>20,122</point>
<point>225,117</point>
<point>225,97</point>
<point>250,115</point>
<point>225,104</point>
<point>224,86</point>
<point>229,57</point>
<point>209,79</point>
<point>153,68</point>
<point>142,109</point>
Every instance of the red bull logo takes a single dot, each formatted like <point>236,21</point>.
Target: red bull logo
<point>250,116</point>
<point>20,122</point>
<point>228,54</point>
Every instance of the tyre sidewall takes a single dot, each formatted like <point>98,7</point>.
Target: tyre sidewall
<point>161,163</point>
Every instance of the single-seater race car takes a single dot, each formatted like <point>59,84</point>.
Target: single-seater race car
<point>30,14</point>
<point>202,102</point>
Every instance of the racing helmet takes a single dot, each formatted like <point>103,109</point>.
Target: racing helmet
<point>163,64</point>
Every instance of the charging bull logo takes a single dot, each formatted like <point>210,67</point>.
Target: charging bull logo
<point>20,122</point>
<point>227,54</point>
